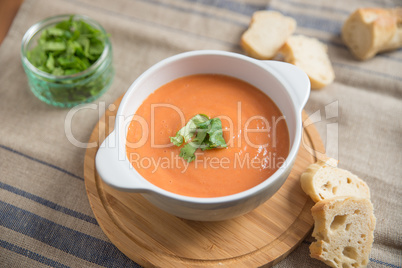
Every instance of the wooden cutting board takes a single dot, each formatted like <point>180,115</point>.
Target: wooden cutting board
<point>152,237</point>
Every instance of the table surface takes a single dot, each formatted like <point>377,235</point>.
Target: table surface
<point>45,217</point>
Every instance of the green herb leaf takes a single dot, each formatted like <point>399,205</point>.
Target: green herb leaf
<point>187,132</point>
<point>54,32</point>
<point>50,63</point>
<point>215,134</point>
<point>54,46</point>
<point>188,152</point>
<point>208,135</point>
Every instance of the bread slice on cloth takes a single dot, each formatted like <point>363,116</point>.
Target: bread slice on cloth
<point>311,56</point>
<point>344,228</point>
<point>323,180</point>
<point>267,32</point>
<point>368,31</point>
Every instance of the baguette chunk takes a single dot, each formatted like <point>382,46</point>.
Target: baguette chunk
<point>266,34</point>
<point>344,229</point>
<point>323,180</point>
<point>368,31</point>
<point>311,56</point>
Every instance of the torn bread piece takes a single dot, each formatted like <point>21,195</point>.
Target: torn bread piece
<point>344,229</point>
<point>310,55</point>
<point>323,180</point>
<point>267,32</point>
<point>368,31</point>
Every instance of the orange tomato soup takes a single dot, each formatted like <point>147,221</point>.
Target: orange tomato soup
<point>253,127</point>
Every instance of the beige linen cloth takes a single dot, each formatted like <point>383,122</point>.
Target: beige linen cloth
<point>45,216</point>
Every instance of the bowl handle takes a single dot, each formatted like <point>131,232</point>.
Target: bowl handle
<point>117,172</point>
<point>298,81</point>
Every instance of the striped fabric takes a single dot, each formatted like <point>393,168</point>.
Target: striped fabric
<point>45,216</point>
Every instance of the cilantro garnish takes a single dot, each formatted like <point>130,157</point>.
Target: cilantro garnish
<point>200,132</point>
<point>69,47</point>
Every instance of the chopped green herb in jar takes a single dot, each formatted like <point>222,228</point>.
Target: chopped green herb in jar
<point>207,132</point>
<point>69,47</point>
<point>66,49</point>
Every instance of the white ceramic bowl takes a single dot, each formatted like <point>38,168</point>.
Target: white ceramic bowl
<point>284,83</point>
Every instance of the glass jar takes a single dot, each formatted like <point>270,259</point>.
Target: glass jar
<point>68,90</point>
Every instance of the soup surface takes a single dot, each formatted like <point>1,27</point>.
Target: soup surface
<point>253,127</point>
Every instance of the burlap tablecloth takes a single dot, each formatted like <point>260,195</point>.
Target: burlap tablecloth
<point>45,216</point>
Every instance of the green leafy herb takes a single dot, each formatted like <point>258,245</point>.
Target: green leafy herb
<point>199,133</point>
<point>69,47</point>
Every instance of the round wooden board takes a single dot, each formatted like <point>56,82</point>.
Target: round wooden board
<point>152,237</point>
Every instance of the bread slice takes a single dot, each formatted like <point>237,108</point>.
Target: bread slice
<point>267,32</point>
<point>323,180</point>
<point>311,56</point>
<point>368,31</point>
<point>344,229</point>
